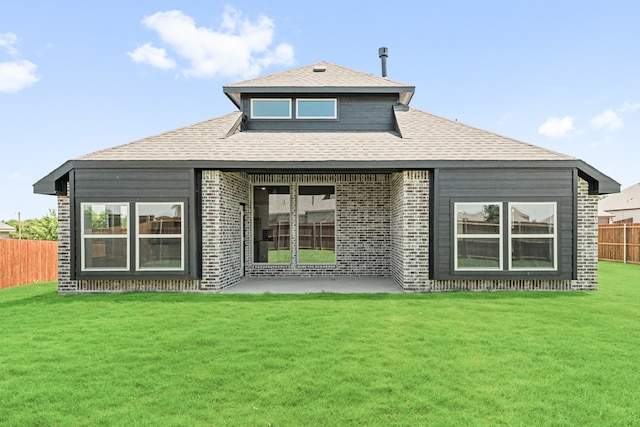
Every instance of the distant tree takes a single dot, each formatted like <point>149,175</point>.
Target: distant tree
<point>491,214</point>
<point>45,228</point>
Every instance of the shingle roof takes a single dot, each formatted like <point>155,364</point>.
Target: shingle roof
<point>332,76</point>
<point>6,227</point>
<point>420,136</point>
<point>323,77</point>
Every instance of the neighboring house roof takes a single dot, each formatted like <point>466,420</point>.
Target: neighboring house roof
<point>323,77</point>
<point>627,199</point>
<point>6,228</point>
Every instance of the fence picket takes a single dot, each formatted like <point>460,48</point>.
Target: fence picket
<point>612,242</point>
<point>27,261</point>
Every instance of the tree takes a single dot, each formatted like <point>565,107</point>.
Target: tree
<point>45,228</point>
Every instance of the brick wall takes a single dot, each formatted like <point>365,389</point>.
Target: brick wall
<point>222,195</point>
<point>410,229</point>
<point>587,256</point>
<point>362,226</point>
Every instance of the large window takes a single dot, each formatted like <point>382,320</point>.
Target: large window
<point>105,236</point>
<point>264,108</point>
<point>160,236</point>
<point>478,236</point>
<point>271,224</point>
<point>154,241</point>
<point>481,229</point>
<point>316,224</point>
<point>316,109</point>
<point>532,236</point>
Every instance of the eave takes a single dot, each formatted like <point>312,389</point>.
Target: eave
<point>55,182</point>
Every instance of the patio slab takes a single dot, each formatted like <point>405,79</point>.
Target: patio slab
<point>315,285</point>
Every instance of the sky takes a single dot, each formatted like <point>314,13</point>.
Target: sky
<point>80,76</point>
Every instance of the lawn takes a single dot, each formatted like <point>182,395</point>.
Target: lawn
<point>492,358</point>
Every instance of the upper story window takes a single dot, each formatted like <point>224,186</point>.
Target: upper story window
<point>316,108</point>
<point>271,108</point>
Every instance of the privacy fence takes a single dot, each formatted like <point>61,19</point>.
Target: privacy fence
<point>27,261</point>
<point>619,242</point>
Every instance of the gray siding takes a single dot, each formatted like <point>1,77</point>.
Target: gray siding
<point>355,113</point>
<point>510,185</point>
<point>137,185</point>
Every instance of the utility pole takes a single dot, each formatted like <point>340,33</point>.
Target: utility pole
<point>19,227</point>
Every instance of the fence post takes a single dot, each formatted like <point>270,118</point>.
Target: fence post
<point>624,243</point>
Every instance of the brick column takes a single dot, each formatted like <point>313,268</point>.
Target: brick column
<point>211,249</point>
<point>587,236</point>
<point>65,284</point>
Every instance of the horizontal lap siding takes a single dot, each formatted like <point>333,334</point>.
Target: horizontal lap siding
<point>355,113</point>
<point>127,184</point>
<point>512,185</point>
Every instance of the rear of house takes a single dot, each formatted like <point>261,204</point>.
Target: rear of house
<point>326,171</point>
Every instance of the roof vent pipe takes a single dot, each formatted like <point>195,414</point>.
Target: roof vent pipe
<point>383,53</point>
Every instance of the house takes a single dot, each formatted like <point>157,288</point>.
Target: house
<point>326,171</point>
<point>623,206</point>
<point>5,229</point>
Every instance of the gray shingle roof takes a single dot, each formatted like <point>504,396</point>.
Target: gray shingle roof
<point>420,136</point>
<point>332,76</point>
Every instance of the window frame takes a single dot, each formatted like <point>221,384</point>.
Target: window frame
<point>139,237</point>
<point>332,117</point>
<point>498,236</point>
<point>335,220</point>
<point>254,261</point>
<point>254,100</point>
<point>554,236</point>
<point>84,237</point>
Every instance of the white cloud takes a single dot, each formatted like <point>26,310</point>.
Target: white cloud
<point>154,56</point>
<point>17,74</point>
<point>627,106</point>
<point>608,120</point>
<point>238,48</point>
<point>556,128</point>
<point>7,40</point>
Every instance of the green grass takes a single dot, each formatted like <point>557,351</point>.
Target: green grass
<point>305,256</point>
<point>493,358</point>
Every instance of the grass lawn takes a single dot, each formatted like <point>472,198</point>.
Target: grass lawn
<point>502,358</point>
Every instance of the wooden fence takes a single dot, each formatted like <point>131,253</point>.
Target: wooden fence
<point>619,242</point>
<point>27,261</point>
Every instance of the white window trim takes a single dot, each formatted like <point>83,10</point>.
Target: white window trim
<point>335,224</point>
<point>335,108</point>
<point>84,237</point>
<point>159,236</point>
<point>553,236</point>
<point>457,236</point>
<point>253,100</point>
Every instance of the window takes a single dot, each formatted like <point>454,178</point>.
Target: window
<point>104,236</point>
<point>263,108</point>
<point>160,236</point>
<point>478,236</point>
<point>271,224</point>
<point>156,239</point>
<point>316,224</point>
<point>316,108</point>
<point>532,236</point>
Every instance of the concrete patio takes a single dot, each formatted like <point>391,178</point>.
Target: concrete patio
<point>315,285</point>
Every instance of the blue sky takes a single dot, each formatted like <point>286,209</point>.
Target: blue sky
<point>79,76</point>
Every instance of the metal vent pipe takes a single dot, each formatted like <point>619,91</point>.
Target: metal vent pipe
<point>383,53</point>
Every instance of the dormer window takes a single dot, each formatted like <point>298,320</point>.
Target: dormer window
<point>324,108</point>
<point>271,108</point>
